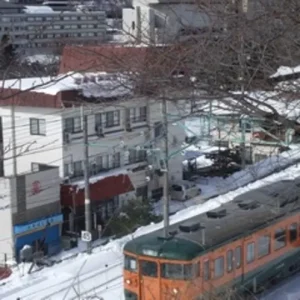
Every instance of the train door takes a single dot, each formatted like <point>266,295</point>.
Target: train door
<point>149,280</point>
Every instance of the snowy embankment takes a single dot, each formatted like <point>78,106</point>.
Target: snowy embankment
<point>101,272</point>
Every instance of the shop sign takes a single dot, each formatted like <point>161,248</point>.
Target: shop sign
<point>19,229</point>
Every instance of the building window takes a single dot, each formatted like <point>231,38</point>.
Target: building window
<point>77,168</point>
<point>116,160</point>
<point>264,246</point>
<point>229,261</point>
<point>112,118</point>
<point>219,267</point>
<point>98,120</point>
<point>72,125</point>
<point>136,156</point>
<point>238,256</point>
<point>67,170</point>
<point>37,126</point>
<point>250,252</point>
<point>206,270</point>
<point>280,238</point>
<point>158,129</point>
<point>293,232</point>
<point>138,114</point>
<point>35,167</point>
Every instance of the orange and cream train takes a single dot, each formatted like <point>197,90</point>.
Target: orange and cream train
<point>249,243</point>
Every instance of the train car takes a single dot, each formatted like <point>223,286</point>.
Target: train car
<point>244,245</point>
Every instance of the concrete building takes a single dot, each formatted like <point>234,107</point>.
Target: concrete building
<point>30,213</point>
<point>42,27</point>
<point>121,128</point>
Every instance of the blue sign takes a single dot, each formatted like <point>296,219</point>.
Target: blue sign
<point>19,229</point>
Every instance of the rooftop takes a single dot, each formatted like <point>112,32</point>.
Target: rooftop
<point>251,211</point>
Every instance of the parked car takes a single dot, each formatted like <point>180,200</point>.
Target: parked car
<point>184,190</point>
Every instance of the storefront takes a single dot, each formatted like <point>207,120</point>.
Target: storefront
<point>43,235</point>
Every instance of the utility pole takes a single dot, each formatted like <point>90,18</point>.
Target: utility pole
<point>166,175</point>
<point>14,142</point>
<point>241,58</point>
<point>87,200</point>
<point>242,145</point>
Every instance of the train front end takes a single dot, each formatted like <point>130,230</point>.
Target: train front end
<point>161,269</point>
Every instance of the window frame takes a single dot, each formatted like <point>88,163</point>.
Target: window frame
<point>110,121</point>
<point>252,259</point>
<point>206,270</point>
<point>71,128</point>
<point>221,274</point>
<point>276,241</point>
<point>238,254</point>
<point>128,258</point>
<point>261,255</point>
<point>229,261</point>
<point>292,240</point>
<point>168,271</point>
<point>38,126</point>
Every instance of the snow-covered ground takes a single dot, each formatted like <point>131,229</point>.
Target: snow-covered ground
<point>287,290</point>
<point>101,272</point>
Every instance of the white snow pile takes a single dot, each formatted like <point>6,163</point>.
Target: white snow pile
<point>283,71</point>
<point>96,178</point>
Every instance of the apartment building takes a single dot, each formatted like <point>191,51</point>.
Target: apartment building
<point>122,130</point>
<point>37,27</point>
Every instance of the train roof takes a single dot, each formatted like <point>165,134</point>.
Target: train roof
<point>246,213</point>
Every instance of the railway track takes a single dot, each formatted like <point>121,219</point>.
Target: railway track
<point>68,284</point>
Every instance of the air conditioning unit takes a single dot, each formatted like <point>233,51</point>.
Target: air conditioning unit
<point>67,137</point>
<point>99,130</point>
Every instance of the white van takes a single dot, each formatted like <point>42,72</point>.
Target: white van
<point>184,190</point>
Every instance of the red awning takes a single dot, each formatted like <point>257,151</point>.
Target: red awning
<point>104,189</point>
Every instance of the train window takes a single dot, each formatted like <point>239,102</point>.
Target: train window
<point>197,269</point>
<point>250,252</point>
<point>280,238</point>
<point>264,246</point>
<point>238,256</point>
<point>148,268</point>
<point>130,263</point>
<point>206,270</point>
<point>177,271</point>
<point>293,232</point>
<point>219,267</point>
<point>229,260</point>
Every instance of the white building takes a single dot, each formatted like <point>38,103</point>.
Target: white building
<point>40,28</point>
<point>160,21</point>
<point>48,131</point>
<point>30,213</point>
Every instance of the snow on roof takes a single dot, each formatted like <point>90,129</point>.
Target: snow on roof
<point>93,179</point>
<point>228,106</point>
<point>38,9</point>
<point>282,71</point>
<point>90,84</point>
<point>101,272</point>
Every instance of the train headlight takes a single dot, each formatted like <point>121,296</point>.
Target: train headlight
<point>175,291</point>
<point>128,281</point>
